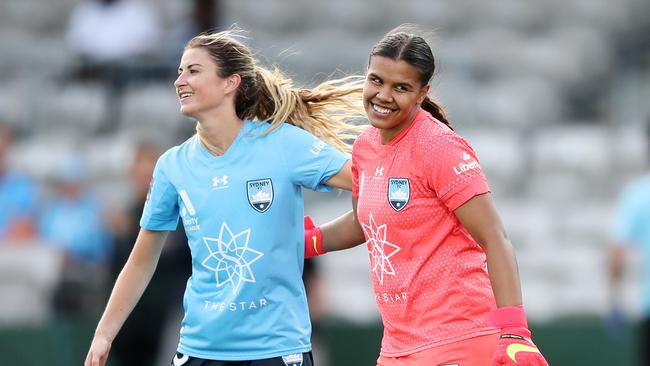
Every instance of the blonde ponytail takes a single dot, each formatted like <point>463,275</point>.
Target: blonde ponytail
<point>332,111</point>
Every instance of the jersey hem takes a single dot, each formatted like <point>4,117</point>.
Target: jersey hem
<point>239,356</point>
<point>162,226</point>
<point>437,343</point>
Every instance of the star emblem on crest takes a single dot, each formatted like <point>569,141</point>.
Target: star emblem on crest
<point>230,257</point>
<point>380,250</point>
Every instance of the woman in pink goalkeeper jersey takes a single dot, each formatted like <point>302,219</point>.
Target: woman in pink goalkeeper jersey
<point>423,206</point>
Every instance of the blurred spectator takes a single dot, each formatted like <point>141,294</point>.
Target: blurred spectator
<point>204,15</point>
<point>117,42</point>
<point>18,197</point>
<point>632,227</point>
<point>104,31</point>
<point>140,338</point>
<point>73,222</point>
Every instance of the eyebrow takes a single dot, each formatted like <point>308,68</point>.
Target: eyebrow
<point>372,74</point>
<point>189,66</point>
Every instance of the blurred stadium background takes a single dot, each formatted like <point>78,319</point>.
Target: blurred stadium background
<point>552,94</point>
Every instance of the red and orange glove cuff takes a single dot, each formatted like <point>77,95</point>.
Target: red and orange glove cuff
<point>511,320</point>
<point>313,239</point>
<point>514,347</point>
<point>508,317</point>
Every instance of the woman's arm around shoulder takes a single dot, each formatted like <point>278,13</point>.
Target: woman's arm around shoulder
<point>341,233</point>
<point>342,179</point>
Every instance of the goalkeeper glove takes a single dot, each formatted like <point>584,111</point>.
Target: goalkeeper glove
<point>313,239</point>
<point>514,348</point>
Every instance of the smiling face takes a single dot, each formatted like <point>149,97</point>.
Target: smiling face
<point>392,95</point>
<point>199,87</point>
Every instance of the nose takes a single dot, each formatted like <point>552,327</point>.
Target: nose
<point>384,94</point>
<point>180,80</point>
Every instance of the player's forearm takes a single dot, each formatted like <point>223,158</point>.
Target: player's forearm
<point>479,216</point>
<point>504,275</point>
<point>342,233</point>
<point>131,283</point>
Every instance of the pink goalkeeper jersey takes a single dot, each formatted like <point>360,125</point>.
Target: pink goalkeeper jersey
<point>429,275</point>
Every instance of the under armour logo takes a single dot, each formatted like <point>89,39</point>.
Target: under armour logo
<point>219,183</point>
<point>379,171</point>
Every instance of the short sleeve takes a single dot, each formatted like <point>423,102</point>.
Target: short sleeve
<point>310,161</point>
<point>453,170</point>
<point>160,211</point>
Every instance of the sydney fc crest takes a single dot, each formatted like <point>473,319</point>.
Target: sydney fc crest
<point>399,192</point>
<point>260,194</point>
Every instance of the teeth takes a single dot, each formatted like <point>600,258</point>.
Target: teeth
<point>184,95</point>
<point>381,110</point>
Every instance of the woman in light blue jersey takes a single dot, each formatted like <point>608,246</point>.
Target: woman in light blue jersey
<point>237,186</point>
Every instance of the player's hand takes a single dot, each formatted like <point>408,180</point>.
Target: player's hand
<point>313,239</point>
<point>98,352</point>
<point>515,347</point>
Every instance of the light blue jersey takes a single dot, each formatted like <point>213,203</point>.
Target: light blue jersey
<point>632,226</point>
<point>243,215</point>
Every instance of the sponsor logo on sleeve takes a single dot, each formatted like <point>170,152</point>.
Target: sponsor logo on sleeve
<point>149,191</point>
<point>467,164</point>
<point>317,147</point>
<point>188,212</point>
